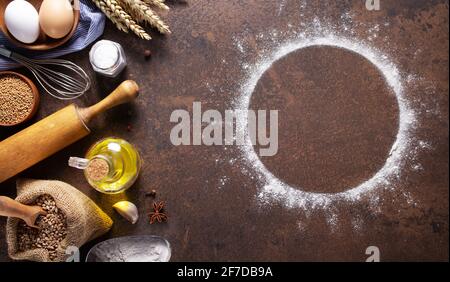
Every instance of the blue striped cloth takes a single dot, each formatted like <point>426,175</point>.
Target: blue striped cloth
<point>90,27</point>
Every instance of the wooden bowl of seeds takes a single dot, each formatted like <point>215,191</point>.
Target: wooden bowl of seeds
<point>19,98</point>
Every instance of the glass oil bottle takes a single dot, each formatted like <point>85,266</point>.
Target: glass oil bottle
<point>110,166</point>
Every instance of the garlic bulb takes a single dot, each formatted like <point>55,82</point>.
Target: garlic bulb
<point>128,210</point>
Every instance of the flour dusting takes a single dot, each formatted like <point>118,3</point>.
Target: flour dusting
<point>274,189</point>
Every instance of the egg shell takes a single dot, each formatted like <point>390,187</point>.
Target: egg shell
<point>56,18</point>
<point>22,21</point>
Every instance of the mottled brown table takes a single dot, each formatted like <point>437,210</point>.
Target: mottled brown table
<point>338,121</point>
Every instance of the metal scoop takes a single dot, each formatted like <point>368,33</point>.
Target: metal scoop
<point>143,248</point>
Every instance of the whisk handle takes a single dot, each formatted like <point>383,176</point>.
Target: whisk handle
<point>124,93</point>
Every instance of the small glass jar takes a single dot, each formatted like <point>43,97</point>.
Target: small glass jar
<point>107,58</point>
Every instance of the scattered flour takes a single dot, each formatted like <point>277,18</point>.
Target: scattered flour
<point>301,226</point>
<point>223,181</point>
<point>333,221</point>
<point>357,223</point>
<point>274,189</point>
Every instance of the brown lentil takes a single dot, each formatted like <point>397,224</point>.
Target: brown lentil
<point>16,99</point>
<point>52,229</point>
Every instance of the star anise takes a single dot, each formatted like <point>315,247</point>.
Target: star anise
<point>158,213</point>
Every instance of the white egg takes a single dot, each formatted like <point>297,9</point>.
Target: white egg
<point>22,21</point>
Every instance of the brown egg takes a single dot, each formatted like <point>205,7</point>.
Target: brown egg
<point>56,18</point>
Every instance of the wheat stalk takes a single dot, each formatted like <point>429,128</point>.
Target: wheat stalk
<point>143,13</point>
<point>110,15</point>
<point>158,3</point>
<point>127,19</point>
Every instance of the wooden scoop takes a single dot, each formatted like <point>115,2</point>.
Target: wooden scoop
<point>12,208</point>
<point>53,133</point>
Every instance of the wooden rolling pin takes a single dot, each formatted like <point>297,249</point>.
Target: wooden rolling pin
<point>12,208</point>
<point>53,133</point>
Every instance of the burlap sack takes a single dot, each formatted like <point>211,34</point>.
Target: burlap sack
<point>85,220</point>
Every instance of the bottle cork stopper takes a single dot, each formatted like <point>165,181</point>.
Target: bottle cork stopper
<point>97,169</point>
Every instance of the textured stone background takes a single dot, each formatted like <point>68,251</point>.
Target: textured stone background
<point>325,145</point>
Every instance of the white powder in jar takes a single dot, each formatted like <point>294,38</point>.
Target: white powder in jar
<point>107,58</point>
<point>105,55</point>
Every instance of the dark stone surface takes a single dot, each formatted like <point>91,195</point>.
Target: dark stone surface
<point>209,220</point>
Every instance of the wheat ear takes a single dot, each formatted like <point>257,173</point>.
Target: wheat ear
<point>127,19</point>
<point>110,15</point>
<point>157,3</point>
<point>143,13</point>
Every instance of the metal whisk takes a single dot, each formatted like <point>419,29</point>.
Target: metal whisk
<point>60,78</point>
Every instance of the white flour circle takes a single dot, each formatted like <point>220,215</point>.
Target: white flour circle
<point>295,197</point>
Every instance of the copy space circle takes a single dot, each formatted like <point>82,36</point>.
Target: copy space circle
<point>338,118</point>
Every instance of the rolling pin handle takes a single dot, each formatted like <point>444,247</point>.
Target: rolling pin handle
<point>126,92</point>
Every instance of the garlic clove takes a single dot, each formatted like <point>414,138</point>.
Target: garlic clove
<point>128,210</point>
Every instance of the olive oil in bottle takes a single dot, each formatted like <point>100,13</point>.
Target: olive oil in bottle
<point>111,165</point>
